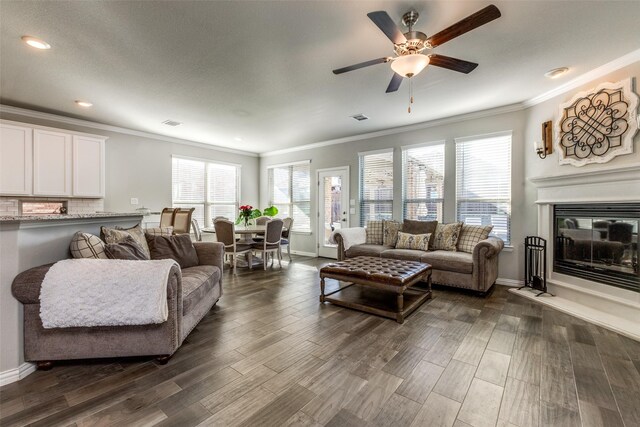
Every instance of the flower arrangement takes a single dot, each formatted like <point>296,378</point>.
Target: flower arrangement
<point>247,213</point>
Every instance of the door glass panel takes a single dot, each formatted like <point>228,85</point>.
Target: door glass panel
<point>333,209</point>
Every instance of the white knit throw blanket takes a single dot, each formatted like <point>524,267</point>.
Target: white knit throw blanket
<point>350,236</point>
<point>100,292</point>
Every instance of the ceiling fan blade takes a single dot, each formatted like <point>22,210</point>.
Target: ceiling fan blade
<point>394,84</point>
<point>362,65</point>
<point>386,24</point>
<point>450,63</point>
<point>469,23</point>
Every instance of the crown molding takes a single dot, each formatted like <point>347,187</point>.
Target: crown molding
<point>585,78</point>
<point>401,129</point>
<point>8,109</point>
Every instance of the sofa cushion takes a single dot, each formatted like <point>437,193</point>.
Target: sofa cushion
<point>85,245</point>
<point>403,254</point>
<point>471,235</point>
<point>196,283</point>
<point>460,262</point>
<point>413,241</point>
<point>446,237</point>
<point>365,250</point>
<point>412,226</point>
<point>178,248</point>
<point>375,232</point>
<point>126,249</point>
<point>116,235</point>
<point>390,232</point>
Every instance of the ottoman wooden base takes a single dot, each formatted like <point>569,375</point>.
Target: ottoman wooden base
<point>379,286</point>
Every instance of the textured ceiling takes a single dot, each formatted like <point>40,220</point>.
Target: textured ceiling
<point>261,71</point>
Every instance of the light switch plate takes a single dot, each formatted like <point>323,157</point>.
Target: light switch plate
<point>134,200</point>
<point>352,211</point>
<point>352,202</point>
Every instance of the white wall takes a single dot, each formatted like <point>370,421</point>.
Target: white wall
<point>346,154</point>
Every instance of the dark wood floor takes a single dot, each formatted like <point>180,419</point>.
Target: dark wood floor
<point>270,355</point>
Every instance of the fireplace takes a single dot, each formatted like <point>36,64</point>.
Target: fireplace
<point>598,242</point>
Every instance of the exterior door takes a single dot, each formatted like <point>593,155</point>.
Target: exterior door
<point>333,207</point>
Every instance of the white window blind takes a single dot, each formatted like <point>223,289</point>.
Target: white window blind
<point>483,183</point>
<point>376,186</point>
<point>211,188</point>
<point>423,182</point>
<point>290,192</point>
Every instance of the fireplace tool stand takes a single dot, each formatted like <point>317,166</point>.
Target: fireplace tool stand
<point>535,264</point>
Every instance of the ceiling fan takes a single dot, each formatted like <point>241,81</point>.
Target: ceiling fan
<point>409,47</point>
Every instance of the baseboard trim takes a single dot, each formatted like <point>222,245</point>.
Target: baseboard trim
<point>13,375</point>
<point>509,282</point>
<point>302,253</point>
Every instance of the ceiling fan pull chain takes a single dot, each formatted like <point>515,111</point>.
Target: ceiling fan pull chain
<point>410,95</point>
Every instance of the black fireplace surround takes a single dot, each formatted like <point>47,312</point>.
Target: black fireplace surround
<point>598,242</point>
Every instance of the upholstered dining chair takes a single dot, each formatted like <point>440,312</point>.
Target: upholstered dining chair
<point>225,233</point>
<point>197,233</point>
<point>166,217</point>
<point>182,221</point>
<point>286,240</point>
<point>261,220</point>
<point>271,242</point>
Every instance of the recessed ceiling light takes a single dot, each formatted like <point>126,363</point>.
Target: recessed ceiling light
<point>36,42</point>
<point>171,123</point>
<point>84,104</point>
<point>556,72</point>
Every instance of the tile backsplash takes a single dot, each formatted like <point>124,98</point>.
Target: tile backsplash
<point>10,206</point>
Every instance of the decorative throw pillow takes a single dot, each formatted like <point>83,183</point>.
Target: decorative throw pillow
<point>85,245</point>
<point>159,231</point>
<point>413,226</point>
<point>446,236</point>
<point>127,249</point>
<point>375,231</point>
<point>413,241</point>
<point>178,248</point>
<point>117,235</point>
<point>390,232</point>
<point>470,235</point>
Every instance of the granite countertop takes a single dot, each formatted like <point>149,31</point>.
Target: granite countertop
<point>58,217</point>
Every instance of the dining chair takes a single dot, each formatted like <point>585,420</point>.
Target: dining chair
<point>225,233</point>
<point>166,217</point>
<point>271,242</point>
<point>286,241</point>
<point>182,221</point>
<point>197,233</point>
<point>261,220</point>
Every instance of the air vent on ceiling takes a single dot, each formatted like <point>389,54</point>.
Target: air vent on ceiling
<point>171,123</point>
<point>360,117</point>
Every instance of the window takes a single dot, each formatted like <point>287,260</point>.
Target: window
<point>290,192</point>
<point>423,182</point>
<point>483,182</point>
<point>376,186</point>
<point>211,188</point>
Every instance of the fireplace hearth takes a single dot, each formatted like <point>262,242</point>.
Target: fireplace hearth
<point>598,242</point>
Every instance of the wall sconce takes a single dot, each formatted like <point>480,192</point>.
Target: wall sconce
<point>545,146</point>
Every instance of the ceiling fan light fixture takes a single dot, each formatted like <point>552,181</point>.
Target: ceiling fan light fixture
<point>410,65</point>
<point>36,42</point>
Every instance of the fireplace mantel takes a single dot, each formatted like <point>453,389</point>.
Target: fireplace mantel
<point>614,308</point>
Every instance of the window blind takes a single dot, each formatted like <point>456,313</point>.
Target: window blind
<point>290,192</point>
<point>483,183</point>
<point>211,188</point>
<point>376,186</point>
<point>423,182</point>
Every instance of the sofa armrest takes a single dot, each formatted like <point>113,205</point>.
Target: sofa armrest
<point>210,253</point>
<point>337,237</point>
<point>488,248</point>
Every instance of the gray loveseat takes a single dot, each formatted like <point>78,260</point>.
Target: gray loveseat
<point>476,271</point>
<point>191,293</point>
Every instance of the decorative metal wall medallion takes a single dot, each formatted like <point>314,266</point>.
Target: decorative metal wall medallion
<point>597,125</point>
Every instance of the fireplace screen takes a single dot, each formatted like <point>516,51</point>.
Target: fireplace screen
<point>598,242</point>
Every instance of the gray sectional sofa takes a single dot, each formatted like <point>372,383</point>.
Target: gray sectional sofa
<point>476,271</point>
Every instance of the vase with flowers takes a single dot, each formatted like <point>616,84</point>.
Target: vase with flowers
<point>246,214</point>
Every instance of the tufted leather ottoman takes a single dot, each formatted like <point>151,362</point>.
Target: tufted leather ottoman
<point>378,280</point>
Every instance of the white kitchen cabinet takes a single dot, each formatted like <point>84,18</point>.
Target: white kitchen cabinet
<point>52,157</point>
<point>16,160</point>
<point>88,166</point>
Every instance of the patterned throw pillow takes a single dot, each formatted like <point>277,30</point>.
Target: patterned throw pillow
<point>413,241</point>
<point>159,231</point>
<point>375,231</point>
<point>85,245</point>
<point>117,235</point>
<point>390,232</point>
<point>446,236</point>
<point>470,235</point>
